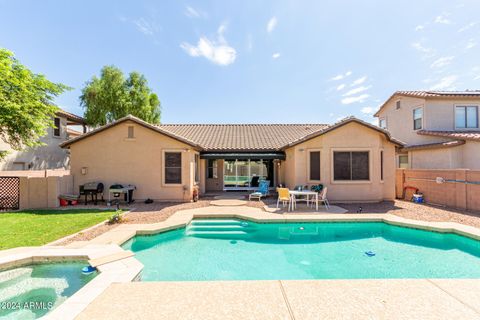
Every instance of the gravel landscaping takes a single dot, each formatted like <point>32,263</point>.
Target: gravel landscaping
<point>157,212</point>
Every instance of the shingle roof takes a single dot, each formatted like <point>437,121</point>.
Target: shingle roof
<point>435,145</point>
<point>457,134</point>
<point>238,137</point>
<point>431,94</point>
<point>242,137</point>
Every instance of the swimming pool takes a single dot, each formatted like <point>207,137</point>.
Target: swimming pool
<point>32,291</point>
<point>229,249</point>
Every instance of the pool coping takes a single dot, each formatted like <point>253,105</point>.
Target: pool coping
<point>181,219</point>
<point>117,268</point>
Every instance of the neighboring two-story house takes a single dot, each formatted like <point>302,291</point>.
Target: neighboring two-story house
<point>440,129</point>
<point>50,155</point>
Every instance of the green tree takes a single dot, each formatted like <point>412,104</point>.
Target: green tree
<point>112,96</point>
<point>26,103</point>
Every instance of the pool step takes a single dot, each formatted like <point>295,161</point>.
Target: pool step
<point>220,235</point>
<point>220,229</point>
<point>218,222</point>
<point>14,275</point>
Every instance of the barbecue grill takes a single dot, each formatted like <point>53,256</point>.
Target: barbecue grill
<point>93,189</point>
<point>117,189</point>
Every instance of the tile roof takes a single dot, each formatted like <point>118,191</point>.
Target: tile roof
<point>431,94</point>
<point>435,145</point>
<point>70,116</point>
<point>242,137</point>
<point>239,137</point>
<point>457,134</point>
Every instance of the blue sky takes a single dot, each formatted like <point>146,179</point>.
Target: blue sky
<point>253,61</point>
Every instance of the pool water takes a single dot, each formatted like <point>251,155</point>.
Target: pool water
<point>241,250</point>
<point>32,291</point>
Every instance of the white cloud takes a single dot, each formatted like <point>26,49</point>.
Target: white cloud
<point>446,83</point>
<point>249,43</point>
<point>360,98</point>
<point>217,51</point>
<point>276,55</point>
<point>367,110</point>
<point>477,78</point>
<point>441,62</point>
<point>272,23</point>
<point>470,44</point>
<point>356,90</point>
<point>419,27</point>
<point>146,27</point>
<point>341,76</point>
<point>359,81</point>
<point>194,13</point>
<point>442,19</point>
<point>341,87</point>
<point>427,52</point>
<point>468,26</point>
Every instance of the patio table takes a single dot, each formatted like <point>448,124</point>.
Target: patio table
<point>307,193</point>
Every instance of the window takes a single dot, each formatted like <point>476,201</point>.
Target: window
<point>466,117</point>
<point>381,165</point>
<point>212,169</point>
<point>417,118</point>
<point>314,166</point>
<point>382,123</point>
<point>173,167</point>
<point>351,165</point>
<point>398,104</point>
<point>56,130</point>
<point>131,132</point>
<point>403,161</point>
<point>197,167</point>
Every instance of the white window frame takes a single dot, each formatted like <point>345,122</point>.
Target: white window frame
<point>181,151</point>
<point>465,106</point>
<point>308,165</point>
<point>332,166</point>
<point>380,122</point>
<point>398,161</point>
<point>413,118</point>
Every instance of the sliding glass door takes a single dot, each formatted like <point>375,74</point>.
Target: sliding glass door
<point>246,174</point>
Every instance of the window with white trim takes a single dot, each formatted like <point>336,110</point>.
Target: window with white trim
<point>403,161</point>
<point>351,165</point>
<point>398,104</point>
<point>466,117</point>
<point>382,123</point>
<point>314,169</point>
<point>173,167</point>
<point>212,169</point>
<point>57,127</point>
<point>417,118</point>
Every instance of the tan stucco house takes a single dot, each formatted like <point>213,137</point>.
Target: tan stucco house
<point>440,129</point>
<point>50,155</point>
<point>355,159</point>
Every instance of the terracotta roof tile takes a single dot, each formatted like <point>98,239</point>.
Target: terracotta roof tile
<point>435,145</point>
<point>242,137</point>
<point>457,134</point>
<point>431,94</point>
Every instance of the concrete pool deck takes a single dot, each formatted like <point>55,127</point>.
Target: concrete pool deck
<point>118,297</point>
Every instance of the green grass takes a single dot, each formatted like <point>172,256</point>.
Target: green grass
<point>38,227</point>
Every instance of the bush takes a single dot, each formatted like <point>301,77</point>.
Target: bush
<point>115,218</point>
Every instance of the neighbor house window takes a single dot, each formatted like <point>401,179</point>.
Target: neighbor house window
<point>466,117</point>
<point>197,167</point>
<point>131,132</point>
<point>212,169</point>
<point>352,165</point>
<point>56,129</point>
<point>173,167</point>
<point>381,165</point>
<point>417,118</point>
<point>382,123</point>
<point>403,161</point>
<point>398,104</point>
<point>314,166</point>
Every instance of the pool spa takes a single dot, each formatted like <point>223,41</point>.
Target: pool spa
<point>32,291</point>
<point>231,249</point>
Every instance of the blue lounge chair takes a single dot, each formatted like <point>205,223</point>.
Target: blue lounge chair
<point>262,190</point>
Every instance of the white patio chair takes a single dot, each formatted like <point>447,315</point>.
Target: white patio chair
<point>323,198</point>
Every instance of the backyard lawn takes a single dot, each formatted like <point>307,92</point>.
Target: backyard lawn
<point>38,227</point>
